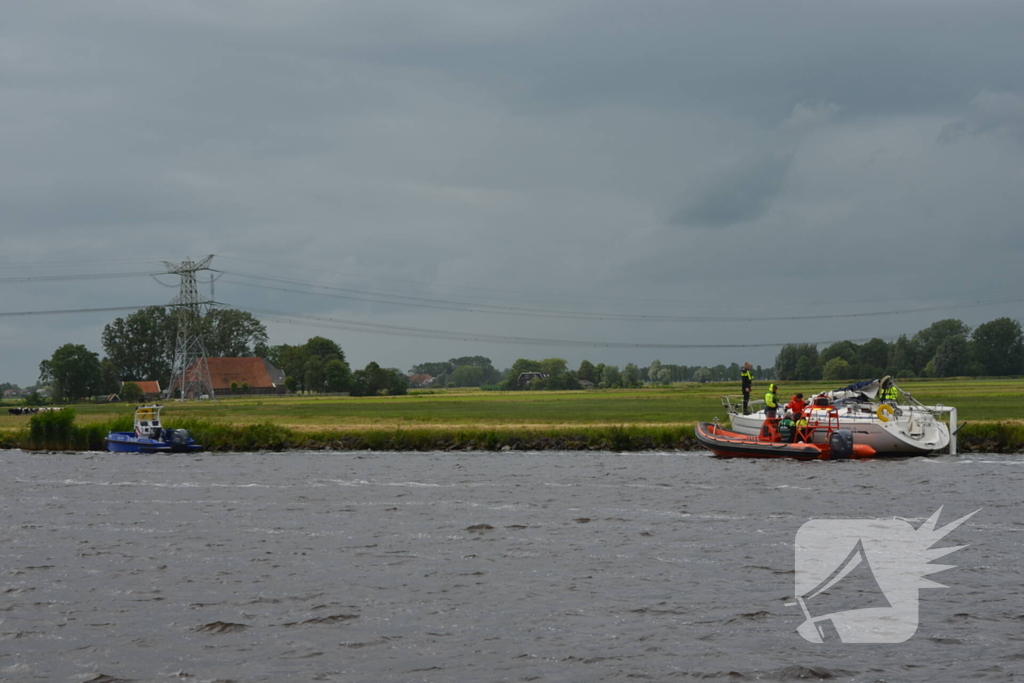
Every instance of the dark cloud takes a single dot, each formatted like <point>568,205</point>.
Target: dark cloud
<point>555,152</point>
<point>990,112</point>
<point>737,196</point>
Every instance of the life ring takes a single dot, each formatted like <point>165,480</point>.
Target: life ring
<point>884,412</point>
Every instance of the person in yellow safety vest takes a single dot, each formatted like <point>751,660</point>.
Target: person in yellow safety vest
<point>747,380</point>
<point>890,395</point>
<point>771,402</point>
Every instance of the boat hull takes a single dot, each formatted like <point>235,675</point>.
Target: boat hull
<point>127,442</point>
<point>914,433</point>
<point>731,444</point>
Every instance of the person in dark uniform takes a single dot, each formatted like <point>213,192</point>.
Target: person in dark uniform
<point>748,383</point>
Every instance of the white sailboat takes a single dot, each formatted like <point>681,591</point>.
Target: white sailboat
<point>904,427</point>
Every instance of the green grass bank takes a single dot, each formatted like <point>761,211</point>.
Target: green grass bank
<point>625,420</point>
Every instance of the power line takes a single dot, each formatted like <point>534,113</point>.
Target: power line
<point>77,262</point>
<point>425,302</point>
<point>91,276</point>
<point>520,295</point>
<point>79,310</point>
<point>400,330</point>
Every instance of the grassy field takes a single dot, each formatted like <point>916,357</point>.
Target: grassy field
<point>661,414</point>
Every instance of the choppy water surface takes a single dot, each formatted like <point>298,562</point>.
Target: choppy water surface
<point>477,567</point>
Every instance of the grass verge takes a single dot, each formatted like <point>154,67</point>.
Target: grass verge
<point>217,437</point>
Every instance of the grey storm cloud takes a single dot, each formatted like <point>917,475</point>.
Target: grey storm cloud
<point>989,112</point>
<point>739,195</point>
<point>583,154</point>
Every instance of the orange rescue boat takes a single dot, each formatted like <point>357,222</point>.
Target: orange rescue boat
<point>770,443</point>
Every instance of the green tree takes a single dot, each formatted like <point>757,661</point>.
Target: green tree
<point>998,347</point>
<point>788,359</point>
<point>110,377</point>
<point>702,375</point>
<point>398,383</point>
<point>337,375</point>
<point>468,376</point>
<point>588,371</point>
<point>519,367</point>
<point>930,338</point>
<point>611,377</point>
<point>804,366</point>
<point>906,358</point>
<point>837,369</point>
<point>433,369</point>
<point>307,363</point>
<point>34,399</point>
<point>554,366</point>
<point>631,375</point>
<point>846,350</point>
<point>489,373</point>
<point>130,392</point>
<point>73,372</point>
<point>874,358</point>
<point>374,380</point>
<point>230,333</point>
<point>314,378</point>
<point>141,344</point>
<point>292,360</point>
<point>732,373</point>
<point>952,358</point>
<point>652,371</point>
<point>324,348</point>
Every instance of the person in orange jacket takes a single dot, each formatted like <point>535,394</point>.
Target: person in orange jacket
<point>797,405</point>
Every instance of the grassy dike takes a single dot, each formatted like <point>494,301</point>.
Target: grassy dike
<point>617,420</point>
<point>266,436</point>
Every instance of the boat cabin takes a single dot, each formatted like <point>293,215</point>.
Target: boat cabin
<point>147,422</point>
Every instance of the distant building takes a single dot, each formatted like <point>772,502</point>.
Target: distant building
<point>150,388</point>
<point>421,380</point>
<point>586,384</point>
<point>526,377</point>
<point>257,374</point>
<point>11,393</point>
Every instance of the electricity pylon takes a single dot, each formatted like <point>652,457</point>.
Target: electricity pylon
<point>190,373</point>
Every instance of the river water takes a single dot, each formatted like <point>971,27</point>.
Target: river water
<point>549,566</point>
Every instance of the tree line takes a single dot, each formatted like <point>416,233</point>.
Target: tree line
<point>478,371</point>
<point>947,348</point>
<point>141,347</point>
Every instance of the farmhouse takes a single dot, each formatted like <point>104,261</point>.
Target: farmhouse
<point>249,375</point>
<point>526,377</point>
<point>150,388</point>
<point>421,380</point>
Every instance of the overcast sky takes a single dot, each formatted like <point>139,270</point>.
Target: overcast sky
<point>678,158</point>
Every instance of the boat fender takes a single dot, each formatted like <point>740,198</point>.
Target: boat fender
<point>884,412</point>
<point>841,444</point>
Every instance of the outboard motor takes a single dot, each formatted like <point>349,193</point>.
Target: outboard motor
<point>180,438</point>
<point>841,444</point>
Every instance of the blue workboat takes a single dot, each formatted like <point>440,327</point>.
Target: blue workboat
<point>150,436</point>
